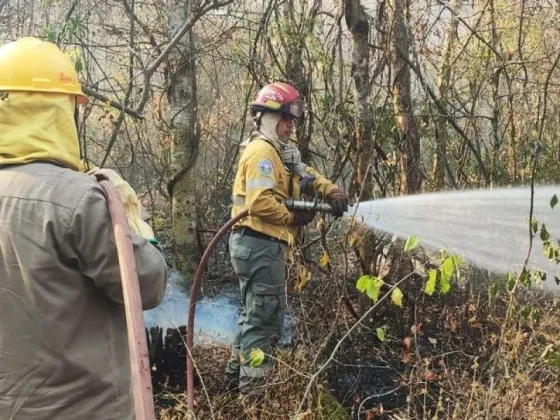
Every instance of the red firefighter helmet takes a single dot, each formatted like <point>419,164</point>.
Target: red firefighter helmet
<point>279,97</point>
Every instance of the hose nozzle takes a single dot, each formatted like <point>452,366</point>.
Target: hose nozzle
<point>303,205</point>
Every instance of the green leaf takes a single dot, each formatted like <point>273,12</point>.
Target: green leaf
<point>380,334</point>
<point>362,283</point>
<point>256,357</point>
<point>510,282</point>
<point>431,283</point>
<point>525,312</point>
<point>534,225</point>
<point>525,278</point>
<point>553,201</point>
<point>447,268</point>
<point>494,289</point>
<point>444,284</point>
<point>370,285</point>
<point>548,250</point>
<point>545,236</point>
<point>374,288</point>
<point>539,276</point>
<point>411,243</point>
<point>78,65</point>
<point>397,297</point>
<point>50,34</point>
<point>457,263</point>
<point>535,315</point>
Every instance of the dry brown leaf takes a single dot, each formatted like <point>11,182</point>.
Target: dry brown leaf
<point>304,276</point>
<point>324,259</point>
<point>305,416</point>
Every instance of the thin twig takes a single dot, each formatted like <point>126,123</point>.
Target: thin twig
<point>148,72</point>
<point>531,208</point>
<point>384,394</point>
<point>270,356</point>
<point>489,399</point>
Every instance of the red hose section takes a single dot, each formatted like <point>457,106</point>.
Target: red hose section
<point>137,344</point>
<point>192,302</point>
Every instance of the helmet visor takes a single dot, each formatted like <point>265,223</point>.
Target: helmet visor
<point>297,108</point>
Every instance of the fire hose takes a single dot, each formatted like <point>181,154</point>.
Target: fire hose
<point>293,205</point>
<point>137,345</point>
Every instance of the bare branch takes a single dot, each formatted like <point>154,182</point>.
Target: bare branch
<point>181,32</point>
<point>114,104</point>
<point>207,6</point>
<point>144,27</point>
<point>66,19</point>
<point>545,96</point>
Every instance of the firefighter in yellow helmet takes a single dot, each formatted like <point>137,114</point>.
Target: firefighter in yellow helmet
<point>63,336</point>
<point>270,171</point>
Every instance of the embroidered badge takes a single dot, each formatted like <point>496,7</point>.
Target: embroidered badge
<point>265,167</point>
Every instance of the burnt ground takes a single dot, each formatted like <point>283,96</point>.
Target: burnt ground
<point>442,358</point>
<point>465,354</point>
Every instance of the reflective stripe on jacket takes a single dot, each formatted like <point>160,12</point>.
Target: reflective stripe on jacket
<point>261,185</point>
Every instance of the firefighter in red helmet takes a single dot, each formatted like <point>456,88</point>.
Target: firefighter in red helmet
<point>270,171</point>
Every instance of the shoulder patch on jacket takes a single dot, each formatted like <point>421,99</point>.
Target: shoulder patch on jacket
<point>265,167</point>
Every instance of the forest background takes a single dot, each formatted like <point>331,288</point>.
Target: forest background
<point>403,97</point>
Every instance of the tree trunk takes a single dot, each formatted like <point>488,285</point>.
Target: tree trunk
<point>512,144</point>
<point>444,81</point>
<point>402,101</point>
<point>297,31</point>
<point>496,102</point>
<point>358,23</point>
<point>182,96</point>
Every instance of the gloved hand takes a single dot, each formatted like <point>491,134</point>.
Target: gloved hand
<point>292,159</point>
<point>129,200</point>
<point>338,201</point>
<point>302,218</point>
<point>306,185</point>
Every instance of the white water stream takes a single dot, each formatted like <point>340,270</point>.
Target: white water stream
<point>488,228</point>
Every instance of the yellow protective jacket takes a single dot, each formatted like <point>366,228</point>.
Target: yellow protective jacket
<point>262,184</point>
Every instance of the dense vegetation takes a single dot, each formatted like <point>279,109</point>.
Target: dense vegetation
<point>404,97</point>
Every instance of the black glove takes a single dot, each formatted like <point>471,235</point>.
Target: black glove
<point>338,201</point>
<point>302,218</point>
<point>306,185</point>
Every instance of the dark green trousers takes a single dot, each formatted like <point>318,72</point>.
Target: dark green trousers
<point>260,266</point>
